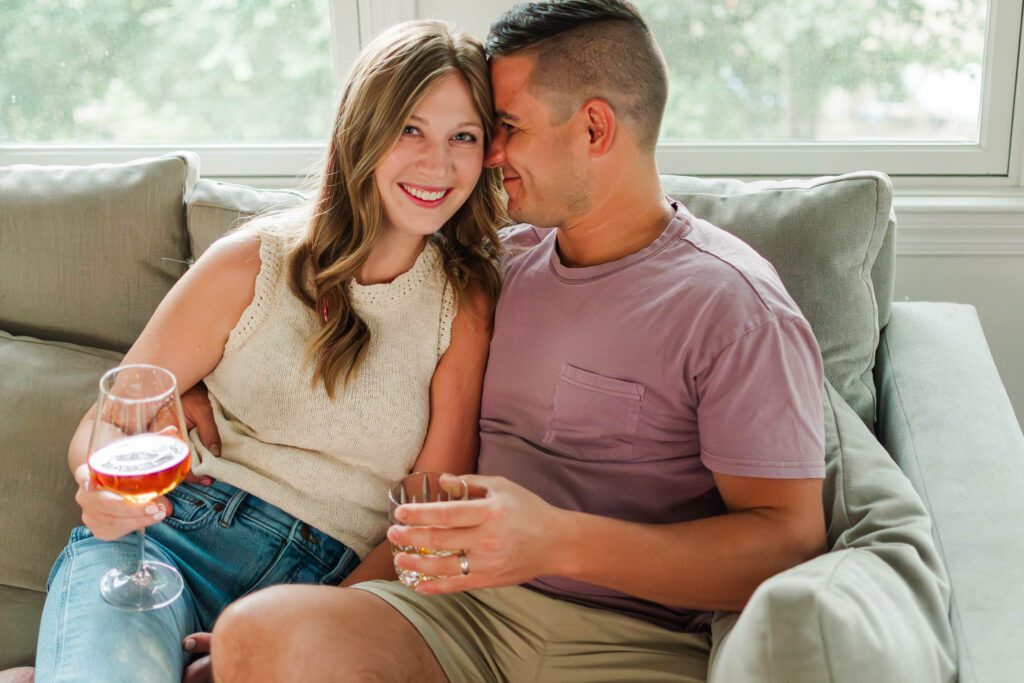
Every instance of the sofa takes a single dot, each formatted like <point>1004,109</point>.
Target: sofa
<point>923,580</point>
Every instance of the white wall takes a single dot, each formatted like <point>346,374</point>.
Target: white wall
<point>975,258</point>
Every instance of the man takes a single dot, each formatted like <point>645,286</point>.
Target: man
<point>651,430</point>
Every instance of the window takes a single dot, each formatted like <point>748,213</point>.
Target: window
<point>248,84</point>
<point>811,86</point>
<point>758,87</point>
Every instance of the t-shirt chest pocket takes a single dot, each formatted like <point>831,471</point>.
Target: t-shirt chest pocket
<point>594,417</point>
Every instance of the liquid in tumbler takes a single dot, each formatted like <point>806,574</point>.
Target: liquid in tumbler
<point>141,467</point>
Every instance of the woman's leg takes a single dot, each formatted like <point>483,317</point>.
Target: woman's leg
<point>82,638</point>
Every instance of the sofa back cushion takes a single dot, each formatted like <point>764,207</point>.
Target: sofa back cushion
<point>213,208</point>
<point>45,388</point>
<point>875,608</point>
<point>87,252</point>
<point>831,239</point>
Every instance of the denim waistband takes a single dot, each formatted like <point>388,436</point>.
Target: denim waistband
<point>230,502</point>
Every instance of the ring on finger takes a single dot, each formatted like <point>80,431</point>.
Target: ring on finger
<point>464,564</point>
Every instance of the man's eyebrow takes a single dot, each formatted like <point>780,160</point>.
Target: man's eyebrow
<point>420,119</point>
<point>505,115</point>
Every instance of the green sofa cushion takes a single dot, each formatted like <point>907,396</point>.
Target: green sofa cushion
<point>214,207</point>
<point>48,386</point>
<point>831,241</point>
<point>876,608</point>
<point>22,610</point>
<point>87,252</point>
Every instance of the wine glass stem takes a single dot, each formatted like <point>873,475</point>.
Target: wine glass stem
<point>141,534</point>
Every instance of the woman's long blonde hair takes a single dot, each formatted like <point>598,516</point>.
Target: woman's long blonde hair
<point>389,79</point>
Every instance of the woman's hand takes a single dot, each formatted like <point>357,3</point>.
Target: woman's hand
<point>108,515</point>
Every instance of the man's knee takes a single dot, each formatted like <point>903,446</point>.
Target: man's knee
<point>244,645</point>
<point>280,632</point>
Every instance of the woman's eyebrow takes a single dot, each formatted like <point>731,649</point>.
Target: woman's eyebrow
<point>420,119</point>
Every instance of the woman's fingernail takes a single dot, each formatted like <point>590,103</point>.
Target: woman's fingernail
<point>207,481</point>
<point>215,448</point>
<point>190,644</point>
<point>152,509</point>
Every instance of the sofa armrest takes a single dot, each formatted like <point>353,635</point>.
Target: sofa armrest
<point>945,417</point>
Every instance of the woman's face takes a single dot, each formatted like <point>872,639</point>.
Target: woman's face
<point>434,166</point>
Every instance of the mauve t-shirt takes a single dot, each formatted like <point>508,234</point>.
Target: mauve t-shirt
<point>618,389</point>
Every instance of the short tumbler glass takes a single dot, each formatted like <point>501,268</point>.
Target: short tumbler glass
<point>422,487</point>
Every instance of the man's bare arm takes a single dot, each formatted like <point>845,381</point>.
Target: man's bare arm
<point>513,536</point>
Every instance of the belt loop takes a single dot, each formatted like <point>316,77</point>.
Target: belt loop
<point>229,510</point>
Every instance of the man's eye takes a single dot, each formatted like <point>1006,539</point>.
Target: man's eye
<point>507,127</point>
<point>465,137</point>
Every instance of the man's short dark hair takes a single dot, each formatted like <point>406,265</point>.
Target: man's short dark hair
<point>587,49</point>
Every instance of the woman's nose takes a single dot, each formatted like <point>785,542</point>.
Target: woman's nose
<point>434,159</point>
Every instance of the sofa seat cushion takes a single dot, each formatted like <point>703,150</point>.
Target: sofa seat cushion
<point>87,252</point>
<point>831,241</point>
<point>45,388</point>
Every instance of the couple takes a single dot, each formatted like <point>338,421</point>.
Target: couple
<point>644,396</point>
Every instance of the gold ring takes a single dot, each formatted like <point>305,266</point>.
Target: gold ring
<point>464,564</point>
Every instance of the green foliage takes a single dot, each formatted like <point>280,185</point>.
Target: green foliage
<point>251,71</point>
<point>168,71</point>
<point>761,69</point>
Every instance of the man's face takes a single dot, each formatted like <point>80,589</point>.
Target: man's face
<point>539,158</point>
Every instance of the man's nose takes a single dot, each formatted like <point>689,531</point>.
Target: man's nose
<point>495,156</point>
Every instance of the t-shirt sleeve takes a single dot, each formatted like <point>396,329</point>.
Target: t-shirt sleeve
<point>760,410</point>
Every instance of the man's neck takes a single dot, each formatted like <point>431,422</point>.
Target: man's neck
<point>619,225</point>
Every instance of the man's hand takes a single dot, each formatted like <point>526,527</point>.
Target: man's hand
<point>508,535</point>
<point>195,404</point>
<point>199,671</point>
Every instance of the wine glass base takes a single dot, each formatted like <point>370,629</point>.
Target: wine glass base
<point>156,585</point>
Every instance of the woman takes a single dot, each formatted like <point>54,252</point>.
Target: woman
<point>342,346</point>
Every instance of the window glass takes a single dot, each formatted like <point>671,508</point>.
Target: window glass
<point>821,70</point>
<point>170,72</point>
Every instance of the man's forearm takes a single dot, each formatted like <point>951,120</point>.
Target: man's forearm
<point>708,564</point>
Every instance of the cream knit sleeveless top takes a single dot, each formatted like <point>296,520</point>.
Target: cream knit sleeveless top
<point>328,462</point>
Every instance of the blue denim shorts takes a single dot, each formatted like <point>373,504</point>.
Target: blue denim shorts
<point>226,544</point>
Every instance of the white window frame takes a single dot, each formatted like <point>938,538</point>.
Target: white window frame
<point>995,160</point>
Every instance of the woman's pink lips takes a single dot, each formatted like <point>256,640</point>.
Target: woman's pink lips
<point>423,202</point>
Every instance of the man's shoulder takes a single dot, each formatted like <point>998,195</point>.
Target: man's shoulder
<point>522,235</point>
<point>733,263</point>
<point>520,239</point>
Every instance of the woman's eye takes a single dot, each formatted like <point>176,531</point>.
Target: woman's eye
<point>465,137</point>
<point>410,130</point>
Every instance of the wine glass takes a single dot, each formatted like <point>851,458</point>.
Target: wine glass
<point>421,487</point>
<point>139,450</point>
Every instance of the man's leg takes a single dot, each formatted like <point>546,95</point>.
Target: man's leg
<point>318,633</point>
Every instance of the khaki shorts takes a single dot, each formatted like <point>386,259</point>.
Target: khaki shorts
<point>514,634</point>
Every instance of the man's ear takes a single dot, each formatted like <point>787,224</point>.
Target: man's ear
<point>601,125</point>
